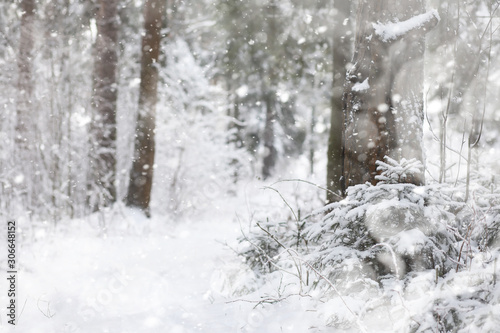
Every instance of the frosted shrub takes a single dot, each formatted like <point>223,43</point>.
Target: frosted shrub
<point>490,236</point>
<point>415,252</point>
<point>464,301</point>
<point>261,250</point>
<point>391,227</point>
<point>278,235</point>
<point>481,220</point>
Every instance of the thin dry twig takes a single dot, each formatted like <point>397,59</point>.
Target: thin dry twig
<point>299,271</point>
<point>282,198</point>
<point>307,182</point>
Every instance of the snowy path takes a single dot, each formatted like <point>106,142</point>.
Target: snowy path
<point>129,283</point>
<point>147,275</point>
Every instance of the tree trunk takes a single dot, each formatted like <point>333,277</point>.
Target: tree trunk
<point>270,151</point>
<point>342,53</point>
<point>383,94</point>
<point>141,174</point>
<point>104,95</point>
<point>25,134</point>
<point>25,80</point>
<point>270,84</point>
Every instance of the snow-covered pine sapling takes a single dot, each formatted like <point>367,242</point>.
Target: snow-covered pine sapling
<point>279,244</point>
<point>354,237</point>
<point>259,250</point>
<point>393,172</point>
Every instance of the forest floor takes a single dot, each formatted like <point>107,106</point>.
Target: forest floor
<point>119,272</point>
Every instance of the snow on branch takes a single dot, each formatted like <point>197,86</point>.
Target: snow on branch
<point>393,172</point>
<point>365,85</point>
<point>393,31</point>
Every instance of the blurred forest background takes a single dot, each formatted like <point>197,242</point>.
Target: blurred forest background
<point>175,108</point>
<point>245,89</point>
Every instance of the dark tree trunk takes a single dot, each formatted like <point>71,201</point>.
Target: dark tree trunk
<point>270,82</point>
<point>141,175</point>
<point>24,107</point>
<point>104,95</point>
<point>342,54</point>
<point>384,92</point>
<point>26,160</point>
<point>270,151</point>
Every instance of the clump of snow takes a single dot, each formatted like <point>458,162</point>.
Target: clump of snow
<point>360,86</point>
<point>394,30</point>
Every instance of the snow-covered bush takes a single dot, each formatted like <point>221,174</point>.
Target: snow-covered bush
<point>418,253</point>
<point>278,230</point>
<point>261,249</point>
<point>480,221</point>
<point>267,243</point>
<point>464,301</point>
<point>392,227</point>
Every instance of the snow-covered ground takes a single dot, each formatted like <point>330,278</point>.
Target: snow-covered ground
<point>129,280</point>
<point>119,272</point>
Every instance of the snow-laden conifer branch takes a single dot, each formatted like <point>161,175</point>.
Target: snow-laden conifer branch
<point>393,31</point>
<point>393,172</point>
